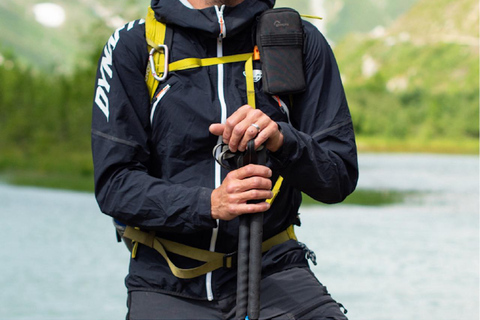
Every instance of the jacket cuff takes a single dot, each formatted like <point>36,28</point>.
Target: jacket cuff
<point>204,217</point>
<point>282,156</point>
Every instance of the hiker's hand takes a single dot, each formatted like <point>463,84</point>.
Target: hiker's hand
<point>238,130</point>
<point>251,182</point>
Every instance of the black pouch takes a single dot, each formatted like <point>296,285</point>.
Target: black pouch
<point>280,42</point>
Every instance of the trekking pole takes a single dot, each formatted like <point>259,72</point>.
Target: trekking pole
<point>249,263</point>
<point>255,265</point>
<point>242,266</point>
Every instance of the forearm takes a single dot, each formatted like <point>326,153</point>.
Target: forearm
<point>323,165</point>
<point>139,200</point>
<point>126,191</point>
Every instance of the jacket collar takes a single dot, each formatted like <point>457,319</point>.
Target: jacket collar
<point>206,20</point>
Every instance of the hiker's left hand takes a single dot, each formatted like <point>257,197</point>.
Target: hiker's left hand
<point>238,130</point>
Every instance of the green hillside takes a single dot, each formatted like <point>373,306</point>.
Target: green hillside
<point>60,49</point>
<point>418,79</point>
<point>345,17</point>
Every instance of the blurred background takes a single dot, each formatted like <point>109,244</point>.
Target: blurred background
<point>403,246</point>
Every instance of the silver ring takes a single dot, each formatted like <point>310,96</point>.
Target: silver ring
<point>256,126</point>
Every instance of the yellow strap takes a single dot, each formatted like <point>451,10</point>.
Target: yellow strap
<point>213,260</point>
<point>155,35</point>
<point>310,16</point>
<point>276,189</point>
<point>190,63</point>
<point>250,82</point>
<point>251,102</point>
<point>288,234</point>
<point>134,249</point>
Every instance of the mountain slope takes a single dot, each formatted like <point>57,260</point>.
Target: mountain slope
<point>60,49</point>
<point>90,22</point>
<point>423,71</point>
<point>347,16</point>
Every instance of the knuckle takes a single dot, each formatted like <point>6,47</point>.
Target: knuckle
<point>249,170</point>
<point>230,122</point>
<point>257,194</point>
<point>257,113</point>
<point>237,131</point>
<point>257,181</point>
<point>230,189</point>
<point>231,209</point>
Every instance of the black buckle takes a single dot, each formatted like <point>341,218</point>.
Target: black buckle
<point>233,260</point>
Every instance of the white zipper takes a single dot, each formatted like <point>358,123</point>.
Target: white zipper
<point>223,117</point>
<point>158,97</point>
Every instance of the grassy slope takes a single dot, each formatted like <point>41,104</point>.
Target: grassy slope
<point>432,52</point>
<point>57,49</point>
<point>362,16</point>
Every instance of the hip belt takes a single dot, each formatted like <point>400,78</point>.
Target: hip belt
<point>212,260</point>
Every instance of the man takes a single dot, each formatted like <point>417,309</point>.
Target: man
<point>154,168</point>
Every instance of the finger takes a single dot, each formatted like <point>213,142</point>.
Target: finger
<point>258,195</point>
<point>250,208</point>
<point>257,183</point>
<point>233,120</point>
<point>268,132</point>
<point>250,171</point>
<point>217,129</point>
<point>252,132</point>
<point>245,131</point>
<point>241,187</point>
<point>239,133</point>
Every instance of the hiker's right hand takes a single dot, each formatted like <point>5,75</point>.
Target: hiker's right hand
<point>251,182</point>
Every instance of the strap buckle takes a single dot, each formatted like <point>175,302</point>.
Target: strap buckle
<point>229,260</point>
<point>158,49</point>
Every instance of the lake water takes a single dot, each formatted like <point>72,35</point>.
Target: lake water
<point>415,260</point>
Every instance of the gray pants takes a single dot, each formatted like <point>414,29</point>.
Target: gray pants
<point>290,294</point>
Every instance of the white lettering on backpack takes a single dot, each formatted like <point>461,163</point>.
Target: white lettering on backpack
<point>103,87</point>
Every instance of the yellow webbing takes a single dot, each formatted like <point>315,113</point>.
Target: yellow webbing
<point>276,189</point>
<point>251,102</point>
<point>212,260</point>
<point>190,63</point>
<point>155,35</point>
<point>250,82</point>
<point>310,16</point>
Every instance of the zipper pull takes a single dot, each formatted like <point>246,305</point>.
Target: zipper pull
<point>221,22</point>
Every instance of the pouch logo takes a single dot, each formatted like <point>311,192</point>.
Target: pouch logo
<point>279,24</point>
<point>257,75</point>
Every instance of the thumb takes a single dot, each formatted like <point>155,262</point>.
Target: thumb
<point>217,129</point>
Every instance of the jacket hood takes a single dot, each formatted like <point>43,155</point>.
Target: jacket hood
<point>236,18</point>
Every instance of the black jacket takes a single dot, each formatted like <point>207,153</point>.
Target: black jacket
<point>153,161</point>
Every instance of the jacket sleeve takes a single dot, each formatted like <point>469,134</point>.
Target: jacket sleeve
<point>120,146</point>
<point>319,154</point>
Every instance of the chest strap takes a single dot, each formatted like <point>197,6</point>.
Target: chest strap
<point>212,260</point>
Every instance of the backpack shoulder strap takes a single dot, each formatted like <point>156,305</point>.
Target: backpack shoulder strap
<point>155,32</point>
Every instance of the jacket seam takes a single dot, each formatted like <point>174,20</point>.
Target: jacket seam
<point>114,139</point>
<point>335,127</point>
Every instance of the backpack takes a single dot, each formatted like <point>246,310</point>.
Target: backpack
<point>279,47</point>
